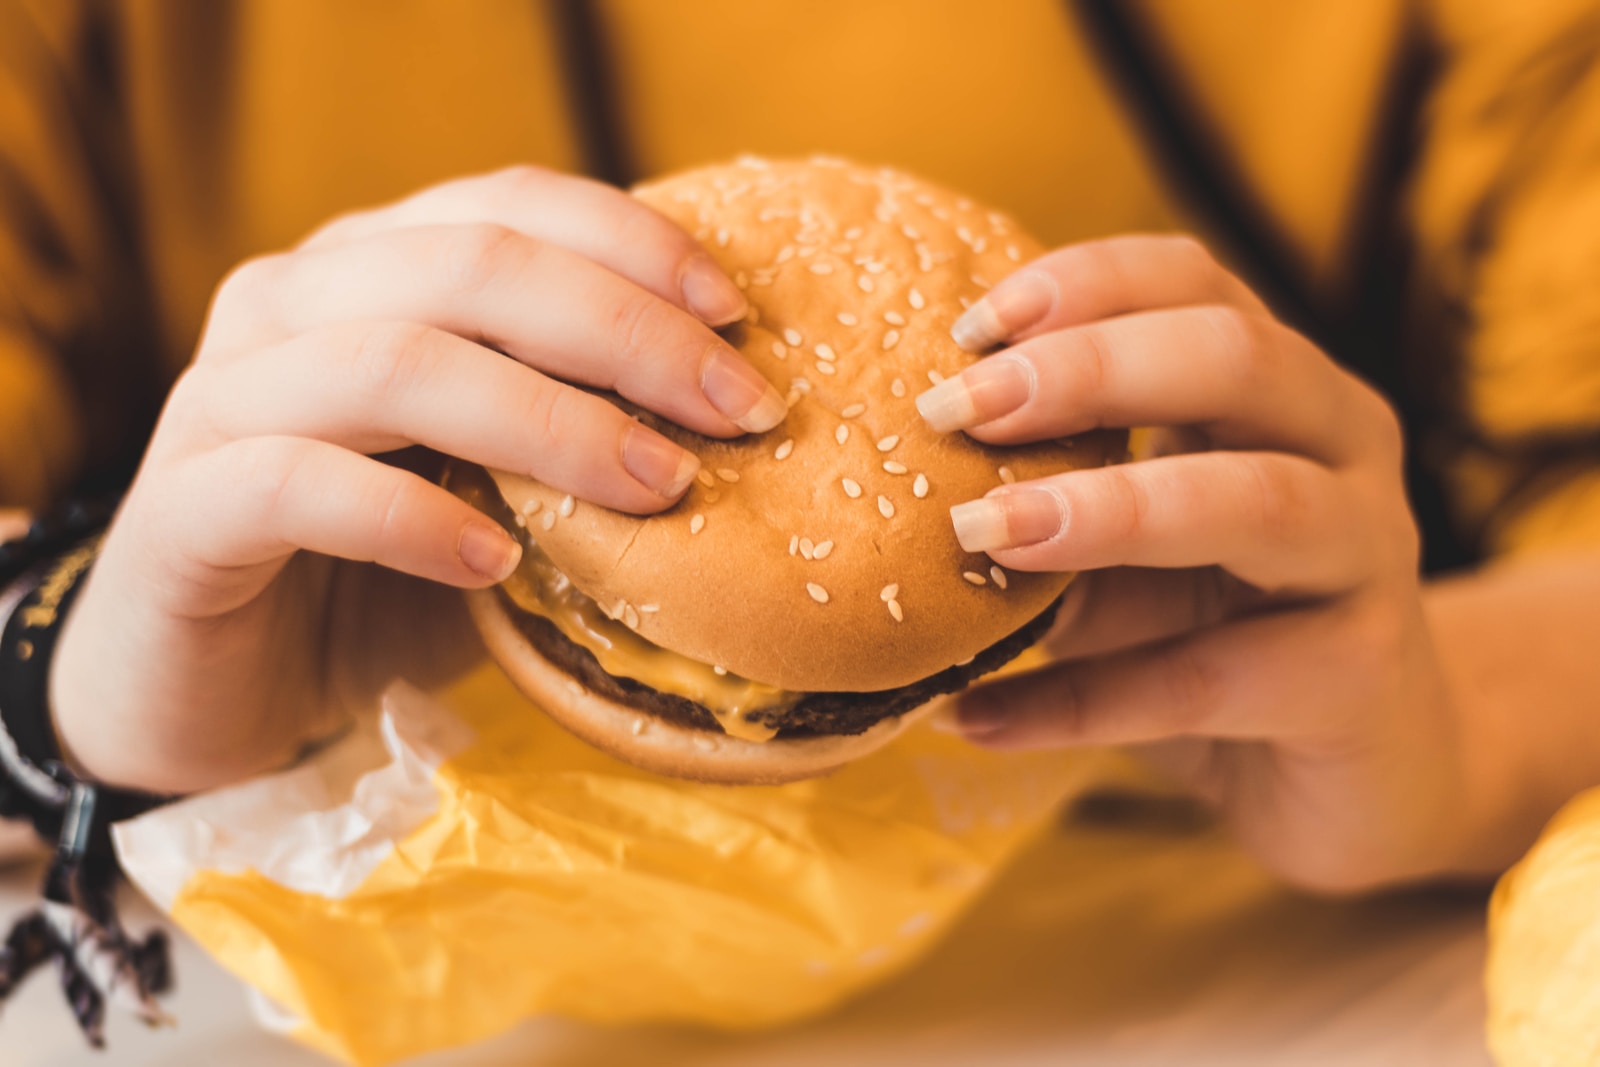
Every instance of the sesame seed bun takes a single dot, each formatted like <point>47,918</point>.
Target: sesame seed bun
<point>818,557</point>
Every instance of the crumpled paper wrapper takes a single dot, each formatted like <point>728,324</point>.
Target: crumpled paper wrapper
<point>465,864</point>
<point>1544,947</point>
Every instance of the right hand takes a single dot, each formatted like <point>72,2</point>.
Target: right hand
<point>234,614</point>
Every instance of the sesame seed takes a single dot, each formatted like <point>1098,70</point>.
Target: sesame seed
<point>819,594</point>
<point>980,281</point>
<point>897,387</point>
<point>807,549</point>
<point>916,298</point>
<point>935,377</point>
<point>549,520</point>
<point>630,617</point>
<point>742,280</point>
<point>822,550</point>
<point>847,319</point>
<point>885,508</point>
<point>853,410</point>
<point>911,232</point>
<point>891,339</point>
<point>704,743</point>
<point>864,283</point>
<point>875,266</point>
<point>821,268</point>
<point>808,251</point>
<point>786,253</point>
<point>780,350</point>
<point>522,520</point>
<point>792,335</point>
<point>826,352</point>
<point>999,577</point>
<point>887,443</point>
<point>712,495</point>
<point>1012,254</point>
<point>722,238</point>
<point>894,468</point>
<point>894,318</point>
<point>974,577</point>
<point>919,488</point>
<point>894,609</point>
<point>966,303</point>
<point>719,670</point>
<point>852,233</point>
<point>825,368</point>
<point>784,449</point>
<point>964,234</point>
<point>842,434</point>
<point>794,543</point>
<point>616,612</point>
<point>638,726</point>
<point>1006,475</point>
<point>697,523</point>
<point>567,506</point>
<point>851,489</point>
<point>890,591</point>
<point>649,609</point>
<point>801,384</point>
<point>727,474</point>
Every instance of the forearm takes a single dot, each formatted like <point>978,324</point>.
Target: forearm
<point>1515,644</point>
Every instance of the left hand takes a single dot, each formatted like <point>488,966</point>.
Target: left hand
<point>1250,612</point>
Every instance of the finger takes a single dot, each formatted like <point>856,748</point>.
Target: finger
<point>1281,523</point>
<point>377,387</point>
<point>546,306</point>
<point>595,220</point>
<point>1120,607</point>
<point>1268,676</point>
<point>1096,280</point>
<point>264,498</point>
<point>1243,380</point>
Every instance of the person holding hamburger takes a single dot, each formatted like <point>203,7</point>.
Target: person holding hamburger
<point>1250,611</point>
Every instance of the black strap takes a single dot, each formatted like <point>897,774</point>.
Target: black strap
<point>590,91</point>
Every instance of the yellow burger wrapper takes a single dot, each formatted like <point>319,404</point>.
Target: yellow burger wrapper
<point>1544,947</point>
<point>466,864</point>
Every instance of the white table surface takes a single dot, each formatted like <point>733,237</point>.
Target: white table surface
<point>1149,942</point>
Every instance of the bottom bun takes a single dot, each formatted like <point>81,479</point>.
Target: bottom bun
<point>654,744</point>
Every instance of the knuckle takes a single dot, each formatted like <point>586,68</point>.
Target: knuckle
<point>477,253</point>
<point>1192,252</point>
<point>1130,502</point>
<point>639,322</point>
<point>243,293</point>
<point>1095,361</point>
<point>386,360</point>
<point>542,414</point>
<point>264,469</point>
<point>1195,686</point>
<point>1278,501</point>
<point>520,176</point>
<point>1243,355</point>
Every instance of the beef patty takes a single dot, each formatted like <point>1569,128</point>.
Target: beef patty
<point>813,715</point>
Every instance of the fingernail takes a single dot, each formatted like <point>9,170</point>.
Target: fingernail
<point>489,551</point>
<point>709,293</point>
<point>1019,301</point>
<point>738,391</point>
<point>982,393</point>
<point>657,463</point>
<point>1011,519</point>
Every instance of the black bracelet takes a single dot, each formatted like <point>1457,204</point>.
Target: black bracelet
<point>40,574</point>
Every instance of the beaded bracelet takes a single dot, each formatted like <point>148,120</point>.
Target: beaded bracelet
<point>77,925</point>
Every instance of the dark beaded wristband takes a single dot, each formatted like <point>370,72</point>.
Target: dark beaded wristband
<point>40,574</point>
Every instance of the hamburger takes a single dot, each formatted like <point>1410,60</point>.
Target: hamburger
<point>807,597</point>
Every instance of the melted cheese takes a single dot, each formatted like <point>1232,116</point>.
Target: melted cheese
<point>540,588</point>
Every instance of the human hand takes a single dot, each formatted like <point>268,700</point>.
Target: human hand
<point>1249,614</point>
<point>234,613</point>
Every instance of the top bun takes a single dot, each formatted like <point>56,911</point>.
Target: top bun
<point>820,556</point>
